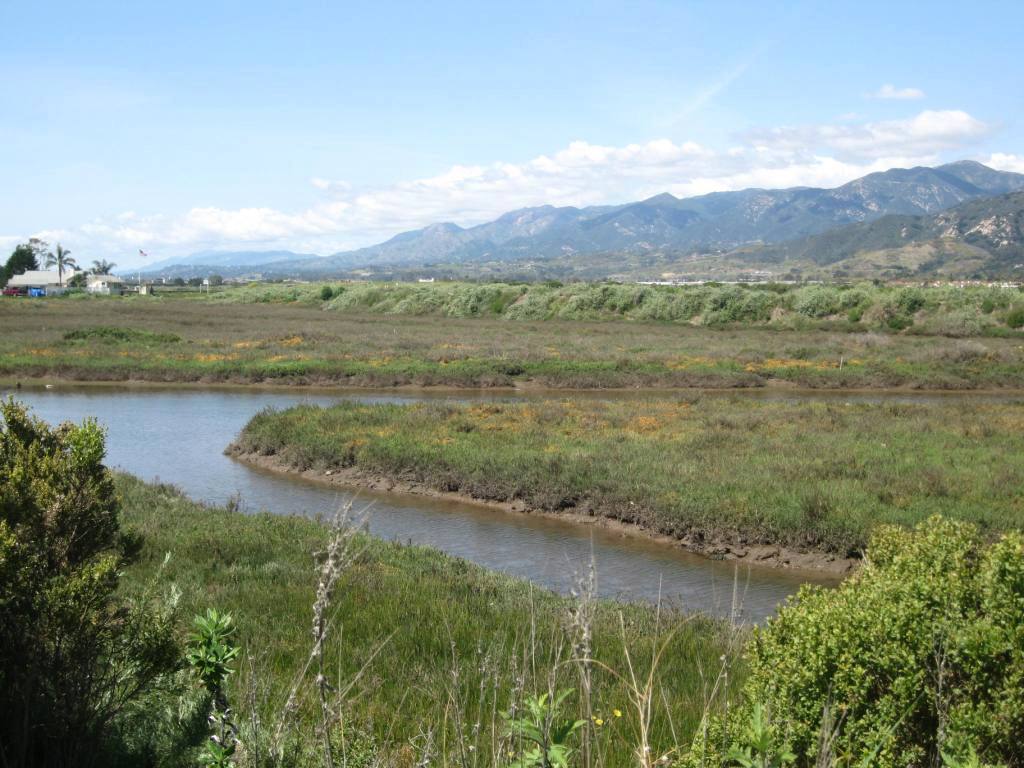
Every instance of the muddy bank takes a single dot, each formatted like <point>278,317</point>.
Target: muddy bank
<point>769,389</point>
<point>729,548</point>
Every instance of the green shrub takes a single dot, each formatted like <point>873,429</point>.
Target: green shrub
<point>899,322</point>
<point>817,301</point>
<point>73,657</point>
<point>1015,317</point>
<point>326,293</point>
<point>909,300</point>
<point>922,652</point>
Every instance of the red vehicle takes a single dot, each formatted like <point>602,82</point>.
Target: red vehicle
<point>14,291</point>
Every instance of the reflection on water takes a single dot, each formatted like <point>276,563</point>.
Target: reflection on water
<point>178,436</point>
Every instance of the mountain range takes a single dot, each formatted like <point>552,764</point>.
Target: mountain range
<point>803,225</point>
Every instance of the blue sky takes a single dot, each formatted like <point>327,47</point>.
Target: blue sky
<point>185,126</point>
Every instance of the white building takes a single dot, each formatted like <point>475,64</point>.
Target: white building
<point>106,285</point>
<point>35,280</point>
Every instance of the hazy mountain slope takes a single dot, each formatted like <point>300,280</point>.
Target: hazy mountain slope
<point>211,259</point>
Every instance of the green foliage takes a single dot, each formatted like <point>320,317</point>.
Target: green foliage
<point>74,658</point>
<point>818,301</point>
<point>757,745</point>
<point>541,732</point>
<point>1015,317</point>
<point>921,652</point>
<point>460,635</point>
<point>62,260</point>
<point>24,258</point>
<point>211,650</point>
<point>326,293</point>
<point>909,300</point>
<point>117,335</point>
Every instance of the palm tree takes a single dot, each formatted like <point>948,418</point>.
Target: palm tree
<point>62,260</point>
<point>102,267</point>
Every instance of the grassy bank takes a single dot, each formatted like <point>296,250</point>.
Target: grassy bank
<point>713,470</point>
<point>464,643</point>
<point>304,341</point>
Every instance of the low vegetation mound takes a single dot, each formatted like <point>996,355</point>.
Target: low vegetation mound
<point>109,334</point>
<point>722,473</point>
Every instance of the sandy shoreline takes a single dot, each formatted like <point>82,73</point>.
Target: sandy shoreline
<point>723,548</point>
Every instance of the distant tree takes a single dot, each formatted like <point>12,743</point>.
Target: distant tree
<point>216,280</point>
<point>195,282</point>
<point>61,260</point>
<point>22,260</point>
<point>77,280</point>
<point>178,281</point>
<point>102,267</point>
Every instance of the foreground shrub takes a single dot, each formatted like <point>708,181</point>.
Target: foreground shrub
<point>73,658</point>
<point>917,659</point>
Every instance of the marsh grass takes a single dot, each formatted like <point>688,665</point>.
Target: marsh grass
<point>422,653</point>
<point>814,475</point>
<point>298,341</point>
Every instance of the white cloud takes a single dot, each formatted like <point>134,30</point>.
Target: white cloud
<point>580,174</point>
<point>890,91</point>
<point>925,134</point>
<point>1004,162</point>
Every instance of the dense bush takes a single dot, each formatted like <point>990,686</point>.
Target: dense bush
<point>921,653</point>
<point>817,301</point>
<point>1015,317</point>
<point>74,659</point>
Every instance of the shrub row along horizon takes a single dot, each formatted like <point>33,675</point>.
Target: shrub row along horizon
<point>808,475</point>
<point>970,311</point>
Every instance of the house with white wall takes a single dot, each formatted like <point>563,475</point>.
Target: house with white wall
<point>105,285</point>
